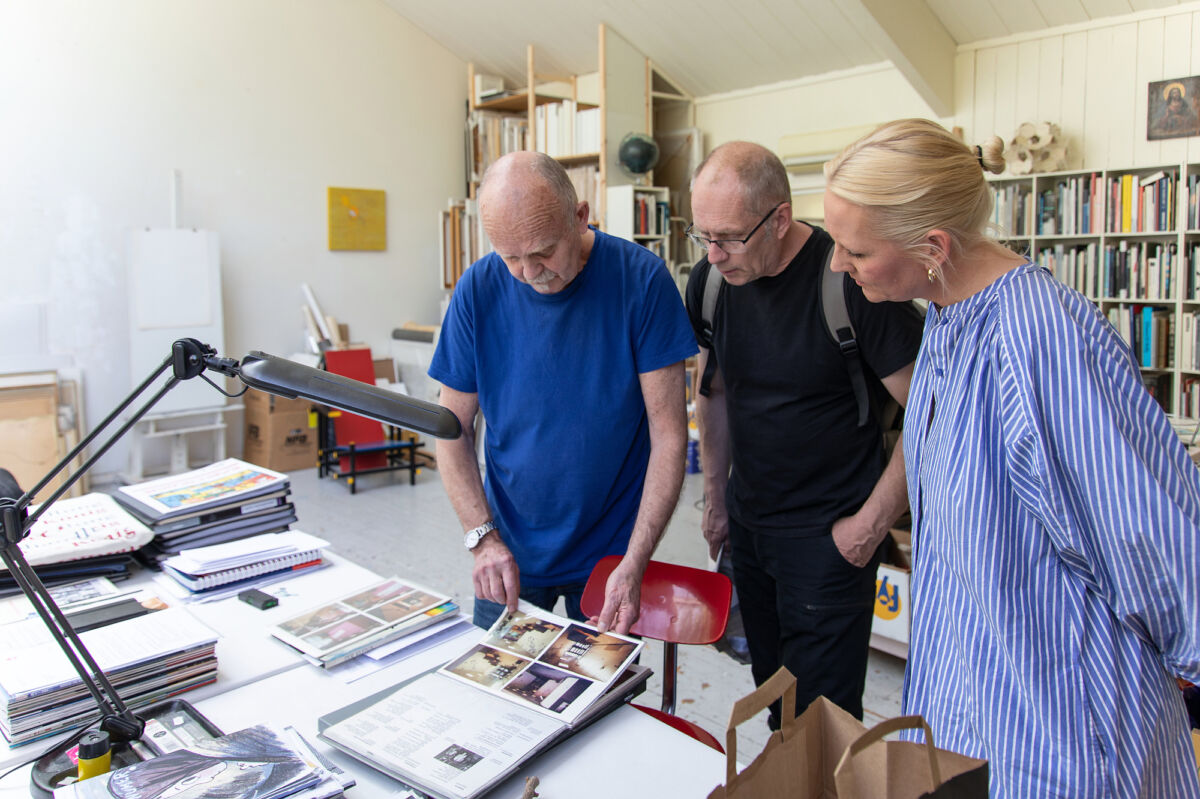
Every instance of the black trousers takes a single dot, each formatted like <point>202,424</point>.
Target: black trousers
<point>805,607</point>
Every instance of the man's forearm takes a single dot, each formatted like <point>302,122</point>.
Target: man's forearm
<point>660,495</point>
<point>459,469</point>
<point>715,450</point>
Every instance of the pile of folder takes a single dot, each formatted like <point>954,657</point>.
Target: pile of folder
<point>147,659</point>
<point>225,501</point>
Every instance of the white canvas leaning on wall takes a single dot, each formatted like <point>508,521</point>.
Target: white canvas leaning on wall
<point>174,284</point>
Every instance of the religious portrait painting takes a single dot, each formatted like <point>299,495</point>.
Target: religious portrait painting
<point>1174,108</point>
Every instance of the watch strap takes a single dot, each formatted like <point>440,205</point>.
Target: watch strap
<point>475,535</point>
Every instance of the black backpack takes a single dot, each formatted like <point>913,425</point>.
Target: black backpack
<point>837,322</point>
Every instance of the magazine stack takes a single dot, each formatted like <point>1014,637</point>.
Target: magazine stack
<point>225,501</point>
<point>147,659</point>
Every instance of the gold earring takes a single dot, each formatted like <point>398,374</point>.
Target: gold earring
<point>932,275</point>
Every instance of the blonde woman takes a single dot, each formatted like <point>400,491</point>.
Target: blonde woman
<point>1056,574</point>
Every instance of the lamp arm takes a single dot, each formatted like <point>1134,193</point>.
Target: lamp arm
<point>189,358</point>
<point>97,455</point>
<point>27,498</point>
<point>116,718</point>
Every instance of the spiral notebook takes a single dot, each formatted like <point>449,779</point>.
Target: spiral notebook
<point>222,565</point>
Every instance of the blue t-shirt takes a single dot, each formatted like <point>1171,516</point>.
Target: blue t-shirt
<point>567,440</point>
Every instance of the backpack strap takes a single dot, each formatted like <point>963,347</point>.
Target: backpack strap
<point>837,319</point>
<point>708,306</point>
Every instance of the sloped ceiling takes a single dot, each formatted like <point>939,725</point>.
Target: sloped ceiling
<point>715,46</point>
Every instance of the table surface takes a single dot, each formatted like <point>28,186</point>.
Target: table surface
<point>260,680</point>
<point>246,653</point>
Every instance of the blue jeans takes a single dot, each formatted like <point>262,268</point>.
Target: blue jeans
<point>487,611</point>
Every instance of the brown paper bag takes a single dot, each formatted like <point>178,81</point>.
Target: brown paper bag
<point>872,768</point>
<point>827,751</point>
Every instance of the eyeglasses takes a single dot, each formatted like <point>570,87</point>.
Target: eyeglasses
<point>730,246</point>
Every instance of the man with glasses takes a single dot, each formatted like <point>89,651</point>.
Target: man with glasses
<point>794,486</point>
<point>571,344</point>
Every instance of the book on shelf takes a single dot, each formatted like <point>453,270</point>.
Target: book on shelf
<point>147,659</point>
<point>532,680</point>
<point>244,560</point>
<point>367,618</point>
<point>227,483</point>
<point>261,762</point>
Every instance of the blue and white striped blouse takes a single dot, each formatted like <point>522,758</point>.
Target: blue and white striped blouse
<point>1056,549</point>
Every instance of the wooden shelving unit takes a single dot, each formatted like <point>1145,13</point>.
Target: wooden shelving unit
<point>1138,261</point>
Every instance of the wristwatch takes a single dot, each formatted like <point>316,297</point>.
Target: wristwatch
<point>473,537</point>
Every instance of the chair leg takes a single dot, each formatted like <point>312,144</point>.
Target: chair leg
<point>670,660</point>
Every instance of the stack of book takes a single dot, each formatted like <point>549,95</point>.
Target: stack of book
<point>370,618</point>
<point>225,501</point>
<point>147,659</point>
<point>222,569</point>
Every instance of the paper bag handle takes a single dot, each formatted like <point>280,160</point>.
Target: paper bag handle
<point>782,685</point>
<point>876,733</point>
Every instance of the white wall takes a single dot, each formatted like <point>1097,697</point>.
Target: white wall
<point>1091,80</point>
<point>262,105</point>
<point>842,99</point>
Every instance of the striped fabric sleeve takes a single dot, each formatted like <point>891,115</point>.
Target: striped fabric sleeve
<point>1097,461</point>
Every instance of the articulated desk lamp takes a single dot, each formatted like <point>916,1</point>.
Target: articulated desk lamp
<point>188,359</point>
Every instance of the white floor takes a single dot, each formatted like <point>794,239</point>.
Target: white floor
<point>394,528</point>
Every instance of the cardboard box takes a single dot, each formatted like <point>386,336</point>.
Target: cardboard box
<point>30,444</point>
<point>891,622</point>
<point>278,435</point>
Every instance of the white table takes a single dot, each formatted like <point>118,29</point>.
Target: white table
<point>262,681</point>
<point>245,652</point>
<point>626,751</point>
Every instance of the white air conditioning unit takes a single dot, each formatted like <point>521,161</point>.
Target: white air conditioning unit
<point>808,152</point>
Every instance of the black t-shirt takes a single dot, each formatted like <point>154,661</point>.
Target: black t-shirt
<point>800,460</point>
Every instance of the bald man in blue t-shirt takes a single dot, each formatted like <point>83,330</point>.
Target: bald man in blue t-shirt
<point>571,343</point>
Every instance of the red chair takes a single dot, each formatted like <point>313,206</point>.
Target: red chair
<point>351,445</point>
<point>680,605</point>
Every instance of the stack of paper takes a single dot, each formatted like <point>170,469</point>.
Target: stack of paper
<point>246,562</point>
<point>363,621</point>
<point>146,659</point>
<point>224,501</point>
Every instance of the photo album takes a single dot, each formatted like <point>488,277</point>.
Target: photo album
<point>454,733</point>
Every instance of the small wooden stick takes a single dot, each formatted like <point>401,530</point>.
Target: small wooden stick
<point>531,783</point>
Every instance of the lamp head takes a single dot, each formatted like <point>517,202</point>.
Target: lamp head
<point>291,380</point>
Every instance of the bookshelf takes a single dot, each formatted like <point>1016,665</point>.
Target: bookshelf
<point>1129,240</point>
<point>577,119</point>
<point>642,215</point>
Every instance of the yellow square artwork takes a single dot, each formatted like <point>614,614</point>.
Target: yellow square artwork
<point>357,219</point>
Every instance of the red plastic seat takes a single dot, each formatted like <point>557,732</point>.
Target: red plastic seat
<point>679,605</point>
